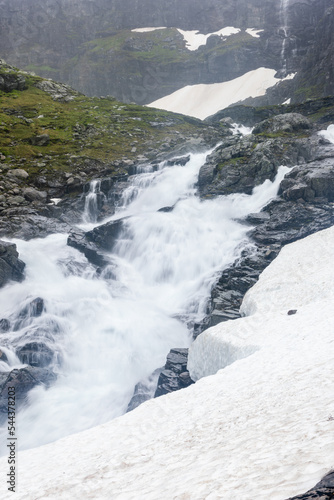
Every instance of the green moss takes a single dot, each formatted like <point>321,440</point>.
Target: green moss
<point>90,128</point>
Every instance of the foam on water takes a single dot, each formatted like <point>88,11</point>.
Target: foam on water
<point>111,330</point>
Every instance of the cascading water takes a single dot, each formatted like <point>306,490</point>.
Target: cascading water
<point>108,331</point>
<point>91,208</point>
<point>284,20</point>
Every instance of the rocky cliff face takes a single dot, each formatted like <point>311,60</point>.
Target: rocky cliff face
<point>91,46</point>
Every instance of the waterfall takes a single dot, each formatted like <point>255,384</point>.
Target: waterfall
<point>108,331</point>
<point>91,208</point>
<point>284,20</point>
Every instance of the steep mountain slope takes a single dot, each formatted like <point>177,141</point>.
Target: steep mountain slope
<point>90,45</point>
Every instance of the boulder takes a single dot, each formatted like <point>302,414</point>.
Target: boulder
<point>18,172</point>
<point>40,140</point>
<point>34,309</point>
<point>32,194</point>
<point>23,379</point>
<point>35,354</point>
<point>11,81</point>
<point>77,239</point>
<point>4,325</point>
<point>105,236</point>
<point>11,267</point>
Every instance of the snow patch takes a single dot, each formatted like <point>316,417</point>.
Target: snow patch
<point>194,39</point>
<point>253,32</point>
<point>328,134</point>
<point>147,30</point>
<point>204,100</point>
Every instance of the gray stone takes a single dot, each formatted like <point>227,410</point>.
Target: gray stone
<point>19,173</point>
<point>40,140</point>
<point>32,194</point>
<point>11,267</point>
<point>289,122</point>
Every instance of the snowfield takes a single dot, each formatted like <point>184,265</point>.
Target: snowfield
<point>204,100</point>
<point>261,428</point>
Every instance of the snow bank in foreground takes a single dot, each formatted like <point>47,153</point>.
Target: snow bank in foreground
<point>204,100</point>
<point>260,428</point>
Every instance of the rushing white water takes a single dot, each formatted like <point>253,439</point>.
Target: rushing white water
<point>110,331</point>
<point>91,202</point>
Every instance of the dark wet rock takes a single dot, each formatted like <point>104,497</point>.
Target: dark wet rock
<point>94,244</point>
<point>77,239</point>
<point>183,160</point>
<point>4,325</point>
<point>310,181</point>
<point>3,356</point>
<point>35,354</point>
<point>292,312</point>
<point>238,165</point>
<point>290,221</point>
<point>34,309</point>
<point>144,390</point>
<point>11,267</point>
<point>175,375</point>
<point>166,209</point>
<point>23,379</point>
<point>289,123</point>
<point>324,490</point>
<point>106,235</point>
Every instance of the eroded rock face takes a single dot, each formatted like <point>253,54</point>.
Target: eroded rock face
<point>11,267</point>
<point>238,165</point>
<point>175,375</point>
<point>288,123</point>
<point>9,82</point>
<point>94,244</point>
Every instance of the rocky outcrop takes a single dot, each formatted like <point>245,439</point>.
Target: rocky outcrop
<point>94,244</point>
<point>240,164</point>
<point>175,375</point>
<point>10,81</point>
<point>286,123</point>
<point>35,354</point>
<point>11,267</point>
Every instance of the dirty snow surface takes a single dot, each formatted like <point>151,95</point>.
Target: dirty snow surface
<point>203,100</point>
<point>260,428</point>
